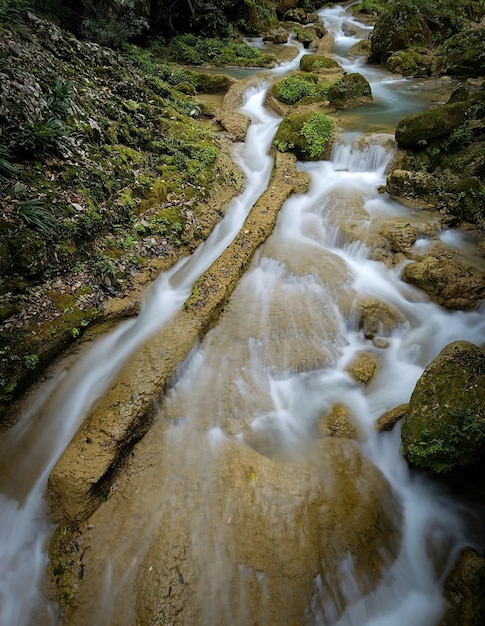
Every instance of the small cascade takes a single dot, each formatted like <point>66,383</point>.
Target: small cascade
<point>225,504</point>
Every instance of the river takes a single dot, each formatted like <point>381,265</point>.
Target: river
<point>254,392</point>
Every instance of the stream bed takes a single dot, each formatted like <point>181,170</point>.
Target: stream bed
<point>263,492</point>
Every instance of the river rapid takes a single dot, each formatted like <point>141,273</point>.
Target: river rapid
<point>218,515</point>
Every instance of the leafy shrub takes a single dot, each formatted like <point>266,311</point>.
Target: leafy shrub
<point>317,130</point>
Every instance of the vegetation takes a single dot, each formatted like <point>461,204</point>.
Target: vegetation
<point>189,48</point>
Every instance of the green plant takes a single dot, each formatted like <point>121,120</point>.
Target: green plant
<point>37,216</point>
<point>31,360</point>
<point>7,169</point>
<point>317,130</point>
<point>295,87</point>
<point>59,102</point>
<point>11,16</point>
<point>44,137</point>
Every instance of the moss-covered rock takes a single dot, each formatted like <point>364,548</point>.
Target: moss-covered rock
<point>309,135</point>
<point>444,425</point>
<point>398,28</point>
<point>318,64</point>
<point>350,90</point>
<point>415,130</point>
<point>464,54</point>
<point>415,61</point>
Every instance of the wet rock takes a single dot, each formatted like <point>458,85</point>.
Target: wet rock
<point>447,281</point>
<point>412,62</point>
<point>388,420</point>
<point>463,54</point>
<point>82,477</point>
<point>396,29</point>
<point>282,6</point>
<point>464,591</point>
<point>412,185</point>
<point>376,317</point>
<point>309,135</point>
<point>276,35</point>
<point>243,538</point>
<point>363,367</point>
<point>360,49</point>
<point>319,64</point>
<point>444,425</point>
<point>300,15</point>
<point>415,130</point>
<point>341,423</point>
<point>350,90</point>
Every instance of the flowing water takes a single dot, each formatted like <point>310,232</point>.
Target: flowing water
<point>255,391</point>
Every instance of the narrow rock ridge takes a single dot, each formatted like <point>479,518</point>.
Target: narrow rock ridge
<point>82,477</point>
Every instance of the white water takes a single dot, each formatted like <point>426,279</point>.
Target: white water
<point>29,450</point>
<point>411,593</point>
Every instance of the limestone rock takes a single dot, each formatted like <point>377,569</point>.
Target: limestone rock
<point>341,423</point>
<point>447,281</point>
<point>363,367</point>
<point>444,424</point>
<point>389,419</point>
<point>376,317</point>
<point>276,35</point>
<point>309,135</point>
<point>416,61</point>
<point>415,185</point>
<point>464,54</point>
<point>464,591</point>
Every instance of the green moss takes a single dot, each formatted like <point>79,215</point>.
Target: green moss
<point>416,130</point>
<point>316,63</point>
<point>349,90</point>
<point>317,131</point>
<point>305,134</point>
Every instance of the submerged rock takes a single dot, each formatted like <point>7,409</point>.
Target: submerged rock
<point>241,539</point>
<point>444,425</point>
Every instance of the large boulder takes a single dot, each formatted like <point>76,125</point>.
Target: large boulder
<point>417,185</point>
<point>350,90</point>
<point>309,135</point>
<point>464,54</point>
<point>415,130</point>
<point>444,425</point>
<point>397,28</point>
<point>447,280</point>
<point>416,61</point>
